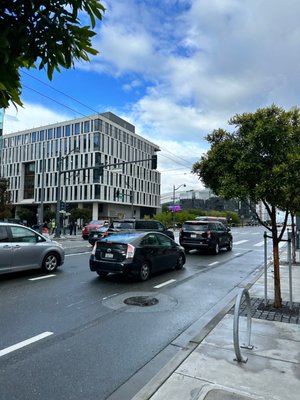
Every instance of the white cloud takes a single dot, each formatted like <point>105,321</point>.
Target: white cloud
<point>30,116</point>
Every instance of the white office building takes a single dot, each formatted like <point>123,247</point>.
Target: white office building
<point>65,159</point>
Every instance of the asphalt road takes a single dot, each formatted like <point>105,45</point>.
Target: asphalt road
<point>83,342</point>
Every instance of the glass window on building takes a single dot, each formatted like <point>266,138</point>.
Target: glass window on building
<point>97,141</point>
<point>98,125</point>
<point>68,130</point>
<point>29,175</point>
<point>58,132</point>
<point>77,128</point>
<point>50,133</point>
<point>86,126</point>
<point>42,136</point>
<point>97,191</point>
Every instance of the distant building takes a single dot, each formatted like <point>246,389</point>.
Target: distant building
<point>73,152</point>
<point>207,201</point>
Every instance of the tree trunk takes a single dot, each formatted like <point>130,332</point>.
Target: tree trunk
<point>277,289</point>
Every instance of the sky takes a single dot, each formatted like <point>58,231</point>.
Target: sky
<point>177,70</point>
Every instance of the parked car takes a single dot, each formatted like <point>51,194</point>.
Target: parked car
<point>136,254</point>
<point>23,248</point>
<point>92,226</point>
<point>99,233</point>
<point>199,235</point>
<point>142,225</point>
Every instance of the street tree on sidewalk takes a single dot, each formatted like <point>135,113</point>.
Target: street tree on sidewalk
<point>257,162</point>
<point>5,203</point>
<point>45,34</point>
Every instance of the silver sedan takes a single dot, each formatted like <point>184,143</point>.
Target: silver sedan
<point>23,248</point>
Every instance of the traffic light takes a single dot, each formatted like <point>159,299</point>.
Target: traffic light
<point>154,161</point>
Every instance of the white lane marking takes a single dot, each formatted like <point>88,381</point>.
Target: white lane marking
<point>77,254</point>
<point>214,263</point>
<point>237,254</point>
<point>41,277</point>
<point>259,244</point>
<point>24,343</point>
<point>240,242</point>
<point>164,284</point>
<point>108,297</point>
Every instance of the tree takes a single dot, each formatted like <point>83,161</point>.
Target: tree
<point>5,204</point>
<point>43,33</point>
<point>84,214</point>
<point>259,161</point>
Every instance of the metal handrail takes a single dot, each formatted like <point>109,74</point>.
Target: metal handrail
<point>239,357</point>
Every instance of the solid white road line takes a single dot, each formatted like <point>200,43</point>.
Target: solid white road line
<point>41,277</point>
<point>213,263</point>
<point>240,242</point>
<point>164,284</point>
<point>24,343</point>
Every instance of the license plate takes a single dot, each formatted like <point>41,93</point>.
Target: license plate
<point>193,235</point>
<point>109,255</point>
<point>95,235</point>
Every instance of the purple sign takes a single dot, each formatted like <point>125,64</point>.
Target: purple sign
<point>175,208</point>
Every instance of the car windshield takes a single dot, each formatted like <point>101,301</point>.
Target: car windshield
<point>195,227</point>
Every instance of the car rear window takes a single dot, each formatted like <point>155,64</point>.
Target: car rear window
<point>194,226</point>
<point>123,238</point>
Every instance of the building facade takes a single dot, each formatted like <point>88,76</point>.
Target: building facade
<point>97,162</point>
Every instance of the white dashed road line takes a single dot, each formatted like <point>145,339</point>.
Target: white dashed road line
<point>213,263</point>
<point>41,277</point>
<point>24,343</point>
<point>164,283</point>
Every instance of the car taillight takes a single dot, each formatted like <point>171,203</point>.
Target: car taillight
<point>208,234</point>
<point>105,234</point>
<point>130,251</point>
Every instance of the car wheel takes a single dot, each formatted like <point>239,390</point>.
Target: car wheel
<point>180,262</point>
<point>102,274</point>
<point>216,248</point>
<point>50,262</point>
<point>144,271</point>
<point>229,247</point>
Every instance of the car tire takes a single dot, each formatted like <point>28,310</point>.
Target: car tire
<point>229,247</point>
<point>180,262</point>
<point>216,249</point>
<point>144,271</point>
<point>102,274</point>
<point>50,262</point>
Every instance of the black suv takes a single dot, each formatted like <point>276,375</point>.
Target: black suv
<point>142,225</point>
<point>205,235</point>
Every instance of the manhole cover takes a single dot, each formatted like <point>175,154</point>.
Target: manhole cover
<point>141,301</point>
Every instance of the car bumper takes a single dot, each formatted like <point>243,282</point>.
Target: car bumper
<point>200,244</point>
<point>118,267</point>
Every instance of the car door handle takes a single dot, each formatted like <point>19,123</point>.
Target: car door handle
<point>17,246</point>
<point>7,246</point>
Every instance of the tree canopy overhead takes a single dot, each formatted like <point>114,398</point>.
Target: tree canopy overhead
<point>45,34</point>
<point>259,161</point>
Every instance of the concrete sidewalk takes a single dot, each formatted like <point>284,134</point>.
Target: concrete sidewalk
<point>209,371</point>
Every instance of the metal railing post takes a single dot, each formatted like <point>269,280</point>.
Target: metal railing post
<point>290,268</point>
<point>266,268</point>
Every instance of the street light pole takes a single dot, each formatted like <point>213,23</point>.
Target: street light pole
<point>174,190</point>
<point>131,197</point>
<point>57,217</point>
<point>59,172</point>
